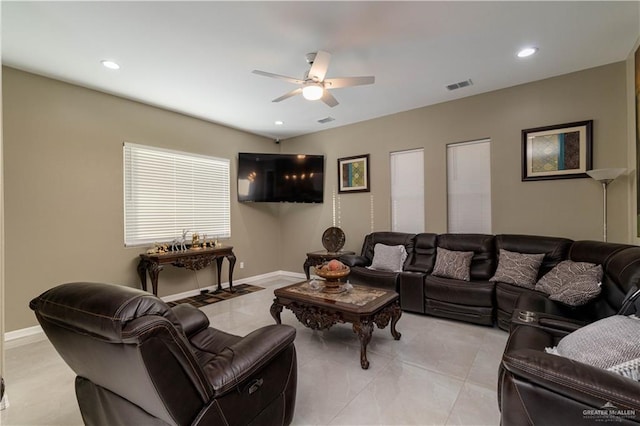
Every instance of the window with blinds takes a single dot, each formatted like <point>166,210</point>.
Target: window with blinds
<point>167,192</point>
<point>469,187</point>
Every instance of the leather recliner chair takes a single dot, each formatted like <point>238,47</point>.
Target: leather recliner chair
<point>140,362</point>
<point>538,388</point>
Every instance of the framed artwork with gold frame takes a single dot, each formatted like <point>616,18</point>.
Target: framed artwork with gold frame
<point>562,151</point>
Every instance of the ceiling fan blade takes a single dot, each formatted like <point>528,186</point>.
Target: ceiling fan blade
<point>328,99</point>
<point>281,77</point>
<point>320,65</point>
<point>288,95</point>
<point>337,83</point>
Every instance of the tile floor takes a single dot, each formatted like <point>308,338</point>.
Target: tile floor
<point>439,373</point>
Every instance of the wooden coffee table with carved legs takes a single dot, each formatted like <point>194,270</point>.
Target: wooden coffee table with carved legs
<point>361,306</point>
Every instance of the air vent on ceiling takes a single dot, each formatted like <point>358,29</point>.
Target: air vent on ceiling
<point>459,85</point>
<point>326,120</point>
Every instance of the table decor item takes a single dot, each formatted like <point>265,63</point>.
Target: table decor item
<point>332,272</point>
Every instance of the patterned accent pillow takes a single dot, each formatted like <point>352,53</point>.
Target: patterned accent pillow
<point>453,264</point>
<point>561,275</point>
<point>580,289</point>
<point>518,268</point>
<point>388,258</point>
<point>610,343</point>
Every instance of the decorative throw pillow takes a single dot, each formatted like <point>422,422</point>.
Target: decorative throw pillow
<point>610,343</point>
<point>581,289</point>
<point>388,258</point>
<point>561,275</point>
<point>453,264</point>
<point>518,268</point>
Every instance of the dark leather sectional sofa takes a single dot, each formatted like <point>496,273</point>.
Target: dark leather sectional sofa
<point>534,387</point>
<point>481,301</point>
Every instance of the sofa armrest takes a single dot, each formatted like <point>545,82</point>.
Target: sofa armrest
<point>572,379</point>
<point>191,319</point>
<point>352,260</point>
<point>237,362</point>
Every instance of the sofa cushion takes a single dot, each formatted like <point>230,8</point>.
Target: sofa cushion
<point>555,249</point>
<point>519,269</point>
<point>483,264</point>
<point>610,343</point>
<point>470,293</point>
<point>453,264</point>
<point>562,275</point>
<point>388,258</point>
<point>581,289</point>
<point>388,239</point>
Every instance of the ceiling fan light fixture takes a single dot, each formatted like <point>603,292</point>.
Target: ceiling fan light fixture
<point>312,92</point>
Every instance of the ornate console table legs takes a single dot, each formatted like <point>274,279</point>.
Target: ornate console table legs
<point>188,259</point>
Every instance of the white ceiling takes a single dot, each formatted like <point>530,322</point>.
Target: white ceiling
<point>196,57</point>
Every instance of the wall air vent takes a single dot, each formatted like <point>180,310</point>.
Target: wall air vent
<point>459,85</point>
<point>326,120</point>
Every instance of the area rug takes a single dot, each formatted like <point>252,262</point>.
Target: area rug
<point>209,298</point>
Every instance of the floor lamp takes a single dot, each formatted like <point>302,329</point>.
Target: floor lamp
<point>605,177</point>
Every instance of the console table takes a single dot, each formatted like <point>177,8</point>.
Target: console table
<point>319,257</point>
<point>190,259</point>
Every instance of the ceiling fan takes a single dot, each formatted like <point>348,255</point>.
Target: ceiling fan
<point>313,85</point>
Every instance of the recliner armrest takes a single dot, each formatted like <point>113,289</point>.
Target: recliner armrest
<point>237,362</point>
<point>352,260</point>
<point>575,380</point>
<point>191,319</point>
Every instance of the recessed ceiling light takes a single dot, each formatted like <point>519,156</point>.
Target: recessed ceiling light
<point>110,64</point>
<point>527,51</point>
<point>279,122</point>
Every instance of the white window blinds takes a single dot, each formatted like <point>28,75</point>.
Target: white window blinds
<point>469,187</point>
<point>167,192</point>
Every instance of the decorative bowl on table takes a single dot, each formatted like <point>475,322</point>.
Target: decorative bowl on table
<point>332,271</point>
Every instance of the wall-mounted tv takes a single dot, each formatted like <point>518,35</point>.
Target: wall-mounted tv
<point>274,178</point>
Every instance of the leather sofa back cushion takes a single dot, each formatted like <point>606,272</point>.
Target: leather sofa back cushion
<point>424,253</point>
<point>597,252</point>
<point>388,239</point>
<point>483,263</point>
<point>555,249</point>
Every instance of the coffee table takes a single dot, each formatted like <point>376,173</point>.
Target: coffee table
<point>361,306</point>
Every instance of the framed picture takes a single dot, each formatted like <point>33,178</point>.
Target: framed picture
<point>353,174</point>
<point>563,151</point>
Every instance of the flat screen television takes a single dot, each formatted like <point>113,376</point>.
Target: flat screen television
<point>276,178</point>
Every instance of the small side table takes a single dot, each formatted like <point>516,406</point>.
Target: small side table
<point>319,257</point>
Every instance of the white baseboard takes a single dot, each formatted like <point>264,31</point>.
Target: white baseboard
<point>23,336</point>
<point>27,335</point>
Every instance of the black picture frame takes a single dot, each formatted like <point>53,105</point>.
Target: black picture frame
<point>561,151</point>
<point>347,181</point>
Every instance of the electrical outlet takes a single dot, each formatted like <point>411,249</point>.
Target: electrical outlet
<point>241,265</point>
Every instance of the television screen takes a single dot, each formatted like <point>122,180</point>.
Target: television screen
<point>292,178</point>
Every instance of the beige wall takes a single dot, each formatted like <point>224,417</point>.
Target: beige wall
<point>569,208</point>
<point>63,177</point>
<point>63,189</point>
<point>633,114</point>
